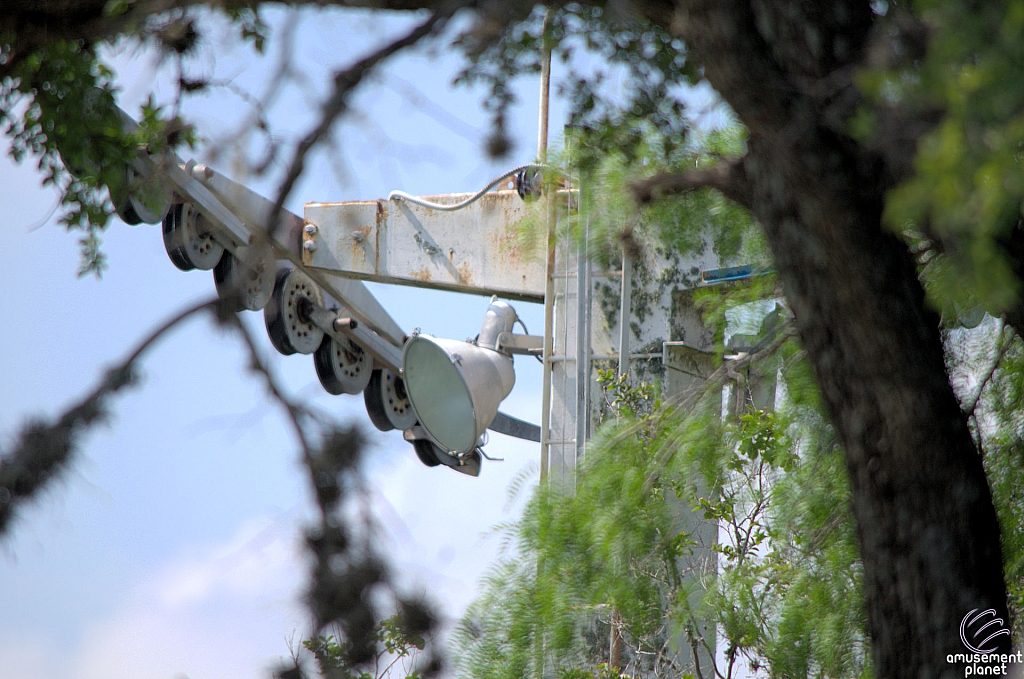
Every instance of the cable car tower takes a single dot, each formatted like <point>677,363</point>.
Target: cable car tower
<point>305,274</point>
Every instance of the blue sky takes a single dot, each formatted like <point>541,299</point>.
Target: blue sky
<point>171,548</point>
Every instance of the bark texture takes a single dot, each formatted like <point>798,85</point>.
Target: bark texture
<point>927,526</point>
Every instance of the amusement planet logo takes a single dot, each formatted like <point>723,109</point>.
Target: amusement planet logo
<point>980,632</point>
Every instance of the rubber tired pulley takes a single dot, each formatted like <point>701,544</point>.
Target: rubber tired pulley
<point>342,366</point>
<point>246,280</point>
<point>188,240</point>
<point>287,314</point>
<point>120,196</point>
<point>387,404</point>
<point>149,196</point>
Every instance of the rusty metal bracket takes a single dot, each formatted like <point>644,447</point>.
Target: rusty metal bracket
<point>482,249</point>
<point>509,343</point>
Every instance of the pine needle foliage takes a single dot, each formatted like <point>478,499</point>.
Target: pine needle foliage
<point>722,537</point>
<point>688,224</point>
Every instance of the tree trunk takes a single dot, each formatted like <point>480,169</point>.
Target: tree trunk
<point>928,531</point>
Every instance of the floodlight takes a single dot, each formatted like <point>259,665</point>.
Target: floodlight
<point>456,387</point>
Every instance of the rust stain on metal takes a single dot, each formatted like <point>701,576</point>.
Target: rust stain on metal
<point>508,243</point>
<point>507,203</point>
<point>358,242</point>
<point>421,275</point>
<point>307,256</point>
<point>382,218</point>
<point>512,239</point>
<point>495,199</point>
<point>465,274</point>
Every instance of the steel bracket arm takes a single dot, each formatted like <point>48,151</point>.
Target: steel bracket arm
<point>510,343</point>
<point>338,325</point>
<point>240,214</point>
<point>256,209</point>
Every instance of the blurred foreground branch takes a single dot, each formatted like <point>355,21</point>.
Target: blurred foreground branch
<point>44,449</point>
<point>347,563</point>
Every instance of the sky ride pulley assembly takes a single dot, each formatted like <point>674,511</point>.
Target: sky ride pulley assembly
<point>442,394</point>
<point>246,277</point>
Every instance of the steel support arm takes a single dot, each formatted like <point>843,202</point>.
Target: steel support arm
<point>484,248</point>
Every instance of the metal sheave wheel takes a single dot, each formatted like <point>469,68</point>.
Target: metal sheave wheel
<point>127,213</point>
<point>287,313</point>
<point>188,241</point>
<point>343,367</point>
<point>426,452</point>
<point>120,196</point>
<point>149,197</point>
<point>246,280</point>
<point>387,404</point>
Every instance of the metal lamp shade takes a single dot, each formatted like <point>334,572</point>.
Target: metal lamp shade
<point>455,388</point>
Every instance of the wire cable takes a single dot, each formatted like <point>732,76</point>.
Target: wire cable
<point>402,195</point>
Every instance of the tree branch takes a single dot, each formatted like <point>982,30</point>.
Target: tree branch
<point>34,22</point>
<point>296,413</point>
<point>1006,335</point>
<point>44,449</point>
<point>344,82</point>
<point>727,176</point>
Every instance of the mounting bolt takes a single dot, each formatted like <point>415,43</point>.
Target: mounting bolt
<point>309,246</point>
<point>310,229</point>
<point>359,236</point>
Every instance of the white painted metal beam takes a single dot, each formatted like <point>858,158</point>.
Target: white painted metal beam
<point>256,210</point>
<point>483,248</point>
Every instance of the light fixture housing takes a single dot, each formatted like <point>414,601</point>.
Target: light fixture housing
<point>456,387</point>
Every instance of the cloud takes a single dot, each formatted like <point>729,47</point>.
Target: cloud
<point>258,560</point>
<point>221,611</point>
<point>27,657</point>
<point>440,522</point>
<point>231,609</point>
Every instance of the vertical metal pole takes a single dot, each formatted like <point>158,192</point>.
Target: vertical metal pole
<point>549,323</point>
<point>545,89</point>
<point>589,337</point>
<point>582,343</point>
<point>615,640</point>
<point>549,291</point>
<point>624,312</point>
<point>549,286</point>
